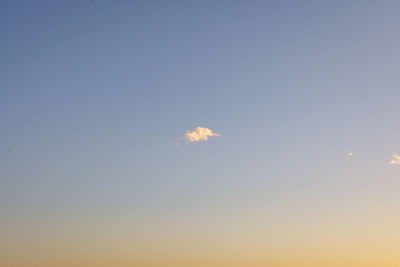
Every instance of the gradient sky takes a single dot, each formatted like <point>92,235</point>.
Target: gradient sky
<point>94,96</point>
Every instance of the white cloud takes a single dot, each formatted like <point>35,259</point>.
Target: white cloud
<point>199,134</point>
<point>395,160</point>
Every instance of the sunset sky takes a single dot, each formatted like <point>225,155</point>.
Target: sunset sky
<point>200,133</point>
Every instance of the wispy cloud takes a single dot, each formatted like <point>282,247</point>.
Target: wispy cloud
<point>395,160</point>
<point>199,134</point>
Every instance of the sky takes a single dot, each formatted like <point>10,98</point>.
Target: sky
<point>199,133</point>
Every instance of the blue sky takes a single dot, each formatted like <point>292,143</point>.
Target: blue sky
<point>95,94</point>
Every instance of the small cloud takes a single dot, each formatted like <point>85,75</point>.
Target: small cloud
<point>199,134</point>
<point>395,160</point>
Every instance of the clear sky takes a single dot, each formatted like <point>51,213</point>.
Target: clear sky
<point>96,98</point>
